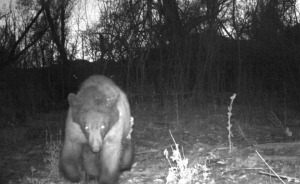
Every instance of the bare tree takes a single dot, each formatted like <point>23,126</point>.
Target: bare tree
<point>55,17</point>
<point>13,47</point>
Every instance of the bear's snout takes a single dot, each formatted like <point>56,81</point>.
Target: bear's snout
<point>95,141</point>
<point>95,149</point>
<point>96,146</point>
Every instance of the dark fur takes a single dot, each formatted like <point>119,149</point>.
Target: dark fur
<point>97,134</point>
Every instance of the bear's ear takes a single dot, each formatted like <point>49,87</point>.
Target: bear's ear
<point>74,101</point>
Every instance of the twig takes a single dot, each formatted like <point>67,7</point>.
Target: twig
<point>270,167</point>
<point>282,176</point>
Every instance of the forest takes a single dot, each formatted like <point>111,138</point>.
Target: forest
<point>184,65</point>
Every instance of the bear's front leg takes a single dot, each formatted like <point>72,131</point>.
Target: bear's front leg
<point>89,160</point>
<point>110,162</point>
<point>69,160</point>
<point>126,154</point>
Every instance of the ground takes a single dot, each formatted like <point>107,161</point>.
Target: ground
<point>260,141</point>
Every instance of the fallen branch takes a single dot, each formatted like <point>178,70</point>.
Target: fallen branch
<point>290,179</point>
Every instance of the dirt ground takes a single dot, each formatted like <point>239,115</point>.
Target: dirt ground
<point>260,141</point>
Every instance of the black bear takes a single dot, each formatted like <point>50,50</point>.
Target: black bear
<point>98,132</point>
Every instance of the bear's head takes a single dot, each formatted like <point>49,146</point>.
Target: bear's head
<point>96,113</point>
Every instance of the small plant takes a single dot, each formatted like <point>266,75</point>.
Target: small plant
<point>32,169</point>
<point>179,174</point>
<point>52,150</point>
<point>280,124</point>
<point>229,123</point>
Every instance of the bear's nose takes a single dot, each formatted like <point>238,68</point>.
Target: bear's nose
<point>95,150</point>
<point>95,146</point>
